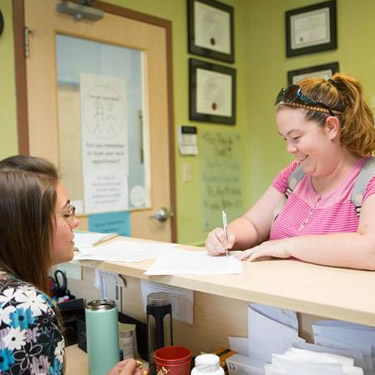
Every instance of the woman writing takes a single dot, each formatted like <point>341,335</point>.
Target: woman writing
<point>36,232</point>
<point>329,129</point>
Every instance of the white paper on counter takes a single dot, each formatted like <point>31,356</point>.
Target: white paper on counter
<point>87,240</point>
<point>182,300</point>
<point>180,261</point>
<point>125,251</point>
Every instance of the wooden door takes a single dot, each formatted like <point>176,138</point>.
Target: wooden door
<point>50,107</point>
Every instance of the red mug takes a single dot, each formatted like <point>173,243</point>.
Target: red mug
<point>173,360</point>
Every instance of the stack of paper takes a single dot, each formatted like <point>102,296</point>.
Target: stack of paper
<point>359,340</point>
<point>271,331</point>
<point>124,251</point>
<point>303,362</point>
<point>351,353</point>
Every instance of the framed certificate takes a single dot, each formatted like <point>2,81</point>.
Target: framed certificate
<point>325,71</point>
<point>210,29</point>
<point>212,93</point>
<point>311,29</point>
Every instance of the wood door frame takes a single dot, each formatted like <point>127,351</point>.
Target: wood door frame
<point>21,84</point>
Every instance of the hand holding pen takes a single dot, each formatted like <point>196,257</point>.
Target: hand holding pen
<point>220,240</point>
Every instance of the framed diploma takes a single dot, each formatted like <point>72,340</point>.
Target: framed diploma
<point>212,93</point>
<point>325,71</point>
<point>311,29</point>
<point>210,29</point>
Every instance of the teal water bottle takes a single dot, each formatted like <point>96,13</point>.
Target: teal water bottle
<point>102,335</point>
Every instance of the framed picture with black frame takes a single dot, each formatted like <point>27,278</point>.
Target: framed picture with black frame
<point>210,29</point>
<point>325,71</point>
<point>311,29</point>
<point>212,92</point>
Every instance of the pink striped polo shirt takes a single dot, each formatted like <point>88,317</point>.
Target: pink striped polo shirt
<point>306,212</point>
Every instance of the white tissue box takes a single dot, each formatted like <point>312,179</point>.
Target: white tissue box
<point>240,365</point>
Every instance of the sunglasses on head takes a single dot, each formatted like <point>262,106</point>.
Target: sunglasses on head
<point>293,94</point>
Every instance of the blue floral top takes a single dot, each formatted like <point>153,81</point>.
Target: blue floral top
<point>31,341</point>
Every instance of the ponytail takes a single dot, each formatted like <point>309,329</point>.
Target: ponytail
<point>344,94</point>
<point>357,120</point>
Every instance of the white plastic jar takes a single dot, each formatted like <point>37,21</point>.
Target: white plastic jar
<point>207,364</point>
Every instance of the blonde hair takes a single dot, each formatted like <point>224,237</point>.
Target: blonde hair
<point>343,93</point>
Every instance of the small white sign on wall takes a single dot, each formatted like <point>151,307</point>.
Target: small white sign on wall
<point>104,143</point>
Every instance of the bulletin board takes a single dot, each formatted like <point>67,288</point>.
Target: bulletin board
<point>221,177</point>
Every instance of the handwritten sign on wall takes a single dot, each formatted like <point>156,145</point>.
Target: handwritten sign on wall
<point>221,177</point>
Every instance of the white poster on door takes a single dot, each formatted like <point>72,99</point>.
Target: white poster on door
<point>104,135</point>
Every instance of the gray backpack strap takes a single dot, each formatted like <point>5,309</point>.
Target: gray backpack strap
<point>365,175</point>
<point>295,177</point>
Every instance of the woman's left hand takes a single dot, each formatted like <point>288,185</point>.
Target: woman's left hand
<point>277,249</point>
<point>126,367</point>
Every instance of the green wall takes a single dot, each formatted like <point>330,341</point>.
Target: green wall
<point>261,70</point>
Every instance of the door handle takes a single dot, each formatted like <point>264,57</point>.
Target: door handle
<point>162,214</point>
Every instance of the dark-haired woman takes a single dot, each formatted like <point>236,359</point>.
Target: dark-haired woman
<point>36,232</point>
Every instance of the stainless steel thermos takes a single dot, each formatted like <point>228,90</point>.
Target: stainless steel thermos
<point>102,335</point>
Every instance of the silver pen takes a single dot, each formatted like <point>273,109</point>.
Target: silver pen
<point>225,230</point>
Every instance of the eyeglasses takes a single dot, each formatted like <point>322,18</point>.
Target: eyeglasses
<point>68,213</point>
<point>293,94</point>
